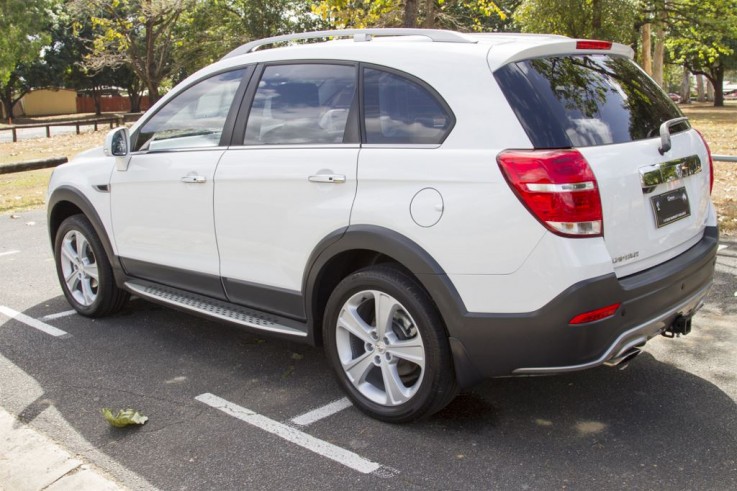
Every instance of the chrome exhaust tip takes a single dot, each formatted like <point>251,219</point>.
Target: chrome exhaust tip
<point>623,358</point>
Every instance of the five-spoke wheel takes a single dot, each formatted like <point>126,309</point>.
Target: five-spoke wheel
<point>84,270</point>
<point>388,345</point>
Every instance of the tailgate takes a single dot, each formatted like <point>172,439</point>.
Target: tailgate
<point>655,207</point>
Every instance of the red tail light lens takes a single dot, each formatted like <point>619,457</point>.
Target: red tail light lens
<point>558,187</point>
<point>595,315</point>
<point>711,162</point>
<point>593,44</point>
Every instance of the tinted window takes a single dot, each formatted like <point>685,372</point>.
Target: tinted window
<point>299,104</point>
<point>194,118</point>
<point>399,110</point>
<point>579,101</point>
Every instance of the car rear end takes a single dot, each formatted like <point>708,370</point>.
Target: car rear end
<point>611,159</point>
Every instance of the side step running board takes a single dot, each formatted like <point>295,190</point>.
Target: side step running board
<point>215,308</point>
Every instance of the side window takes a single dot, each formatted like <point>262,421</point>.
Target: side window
<point>398,110</point>
<point>194,118</point>
<point>301,104</point>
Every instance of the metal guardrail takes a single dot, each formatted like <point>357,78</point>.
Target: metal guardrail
<point>724,158</point>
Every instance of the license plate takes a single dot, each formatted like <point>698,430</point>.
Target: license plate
<point>670,207</point>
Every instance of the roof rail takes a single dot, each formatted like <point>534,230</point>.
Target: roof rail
<point>435,35</point>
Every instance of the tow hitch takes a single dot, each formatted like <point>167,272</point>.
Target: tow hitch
<point>681,325</point>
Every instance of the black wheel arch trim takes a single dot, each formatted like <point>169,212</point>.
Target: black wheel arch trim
<point>410,255</point>
<point>79,200</point>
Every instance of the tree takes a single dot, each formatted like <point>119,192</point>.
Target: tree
<point>589,19</point>
<point>214,27</point>
<point>137,33</point>
<point>23,24</point>
<point>456,14</point>
<point>704,39</point>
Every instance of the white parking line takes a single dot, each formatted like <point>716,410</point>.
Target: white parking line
<point>8,253</point>
<point>51,317</point>
<point>322,412</point>
<point>320,447</point>
<point>30,321</point>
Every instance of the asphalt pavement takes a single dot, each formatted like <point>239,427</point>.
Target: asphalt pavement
<point>229,409</point>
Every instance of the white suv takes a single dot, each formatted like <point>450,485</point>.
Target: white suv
<point>432,207</point>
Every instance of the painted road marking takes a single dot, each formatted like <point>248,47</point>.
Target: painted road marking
<point>8,253</point>
<point>51,317</point>
<point>320,447</point>
<point>322,412</point>
<point>721,247</point>
<point>30,321</point>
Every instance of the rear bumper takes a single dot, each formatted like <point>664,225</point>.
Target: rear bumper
<point>542,342</point>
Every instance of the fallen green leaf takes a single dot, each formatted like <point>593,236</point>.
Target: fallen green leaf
<point>124,417</point>
<point>297,356</point>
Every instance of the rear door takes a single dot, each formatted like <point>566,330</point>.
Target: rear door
<point>655,203</point>
<point>287,182</point>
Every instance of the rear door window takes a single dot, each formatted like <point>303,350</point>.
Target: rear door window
<point>585,100</point>
<point>301,104</point>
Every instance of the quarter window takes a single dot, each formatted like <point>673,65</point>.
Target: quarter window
<point>301,104</point>
<point>398,110</point>
<point>194,118</point>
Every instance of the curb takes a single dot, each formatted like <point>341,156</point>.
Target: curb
<point>31,461</point>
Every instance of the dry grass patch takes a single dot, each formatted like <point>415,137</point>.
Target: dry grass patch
<point>719,127</point>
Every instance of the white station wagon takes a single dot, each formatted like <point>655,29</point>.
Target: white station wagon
<point>432,207</point>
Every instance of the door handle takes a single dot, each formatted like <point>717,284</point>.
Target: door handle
<point>328,178</point>
<point>194,179</point>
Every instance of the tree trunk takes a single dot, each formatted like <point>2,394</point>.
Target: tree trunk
<point>98,103</point>
<point>429,21</point>
<point>135,101</point>
<point>153,91</point>
<point>410,13</point>
<point>659,54</point>
<point>686,87</point>
<point>718,86</point>
<point>647,58</point>
<point>8,107</point>
<point>700,93</point>
<point>596,20</point>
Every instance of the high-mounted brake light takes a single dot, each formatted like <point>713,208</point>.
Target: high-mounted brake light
<point>558,187</point>
<point>711,162</point>
<point>593,44</point>
<point>595,315</point>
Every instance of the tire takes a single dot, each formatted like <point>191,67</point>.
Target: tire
<point>397,374</point>
<point>79,257</point>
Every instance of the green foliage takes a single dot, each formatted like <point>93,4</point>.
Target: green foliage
<point>588,19</point>
<point>461,15</point>
<point>703,38</point>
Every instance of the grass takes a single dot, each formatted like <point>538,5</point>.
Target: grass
<point>26,190</point>
<point>719,127</point>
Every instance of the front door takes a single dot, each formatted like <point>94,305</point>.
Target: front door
<point>162,203</point>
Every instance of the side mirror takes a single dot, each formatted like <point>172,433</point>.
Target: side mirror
<point>116,143</point>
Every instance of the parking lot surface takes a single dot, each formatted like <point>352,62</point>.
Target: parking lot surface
<point>235,410</point>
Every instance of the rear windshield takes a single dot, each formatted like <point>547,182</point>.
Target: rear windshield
<point>585,100</point>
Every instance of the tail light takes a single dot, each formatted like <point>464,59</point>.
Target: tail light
<point>711,162</point>
<point>558,187</point>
